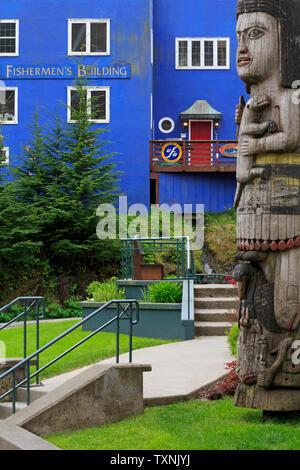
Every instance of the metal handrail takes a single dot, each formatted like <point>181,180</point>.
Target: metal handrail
<point>26,362</point>
<point>35,301</point>
<point>180,244</point>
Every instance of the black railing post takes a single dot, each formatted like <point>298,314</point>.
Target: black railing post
<point>118,334</point>
<point>13,395</point>
<point>130,335</point>
<point>37,340</point>
<point>28,383</point>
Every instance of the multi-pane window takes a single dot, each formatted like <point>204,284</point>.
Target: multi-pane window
<point>8,105</point>
<point>4,156</point>
<point>202,53</point>
<point>96,100</point>
<point>9,37</point>
<point>89,37</point>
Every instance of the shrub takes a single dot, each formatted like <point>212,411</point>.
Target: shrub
<point>164,292</point>
<point>105,291</point>
<point>72,310</point>
<point>232,339</point>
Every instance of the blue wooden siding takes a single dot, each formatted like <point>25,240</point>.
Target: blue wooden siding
<point>214,190</point>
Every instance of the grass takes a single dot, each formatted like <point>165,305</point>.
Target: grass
<point>220,236</point>
<point>193,425</point>
<point>99,347</point>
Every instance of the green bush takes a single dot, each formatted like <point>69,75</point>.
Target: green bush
<point>232,339</point>
<point>164,293</point>
<point>105,291</point>
<point>71,310</point>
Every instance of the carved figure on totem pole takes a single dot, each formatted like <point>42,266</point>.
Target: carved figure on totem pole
<point>268,205</point>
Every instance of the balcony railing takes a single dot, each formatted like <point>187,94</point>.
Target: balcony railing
<point>196,156</point>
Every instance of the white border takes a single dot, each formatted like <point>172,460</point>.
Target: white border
<point>12,54</point>
<point>89,89</point>
<point>163,130</point>
<point>88,22</point>
<point>189,53</point>
<point>6,154</point>
<point>5,88</point>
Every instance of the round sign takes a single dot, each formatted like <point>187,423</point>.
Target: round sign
<point>229,150</point>
<point>171,152</point>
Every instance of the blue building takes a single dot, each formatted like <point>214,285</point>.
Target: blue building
<point>163,72</point>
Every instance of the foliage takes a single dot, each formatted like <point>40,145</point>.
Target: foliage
<point>163,292</point>
<point>105,291</point>
<point>48,213</point>
<point>71,310</point>
<point>220,236</point>
<point>228,385</point>
<point>232,339</point>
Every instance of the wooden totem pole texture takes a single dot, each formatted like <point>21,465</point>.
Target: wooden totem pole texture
<point>268,205</point>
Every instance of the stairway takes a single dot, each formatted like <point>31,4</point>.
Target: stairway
<point>6,407</point>
<point>213,305</point>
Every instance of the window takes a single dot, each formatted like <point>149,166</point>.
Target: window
<point>202,53</point>
<point>97,100</point>
<point>166,125</point>
<point>8,105</point>
<point>5,156</point>
<point>89,37</point>
<point>9,37</point>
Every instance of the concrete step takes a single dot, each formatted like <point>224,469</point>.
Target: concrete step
<point>35,393</point>
<point>215,290</point>
<point>210,315</point>
<point>229,303</point>
<point>211,328</point>
<point>6,408</point>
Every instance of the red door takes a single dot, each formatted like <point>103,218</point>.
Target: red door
<point>200,153</point>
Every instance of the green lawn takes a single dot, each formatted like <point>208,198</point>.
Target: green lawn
<point>193,425</point>
<point>99,347</point>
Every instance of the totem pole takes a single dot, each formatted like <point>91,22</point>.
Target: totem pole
<point>268,205</point>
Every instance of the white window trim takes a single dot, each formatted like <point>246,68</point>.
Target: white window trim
<point>89,89</point>
<point>6,154</point>
<point>162,120</point>
<point>189,53</point>
<point>12,54</point>
<point>7,88</point>
<point>88,22</point>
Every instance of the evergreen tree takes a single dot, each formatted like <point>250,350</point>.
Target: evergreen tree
<point>65,174</point>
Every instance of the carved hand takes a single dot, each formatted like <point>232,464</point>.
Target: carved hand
<point>248,147</point>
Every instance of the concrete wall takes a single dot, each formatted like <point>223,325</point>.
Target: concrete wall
<point>99,395</point>
<point>156,320</point>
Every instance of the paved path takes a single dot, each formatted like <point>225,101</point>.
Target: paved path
<point>178,369</point>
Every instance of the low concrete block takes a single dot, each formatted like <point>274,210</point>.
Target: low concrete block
<point>99,395</point>
<point>6,383</point>
<point>15,438</point>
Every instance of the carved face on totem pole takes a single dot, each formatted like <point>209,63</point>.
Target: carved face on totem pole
<point>255,58</point>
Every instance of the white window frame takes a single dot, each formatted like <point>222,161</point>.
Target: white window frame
<point>15,89</point>
<point>88,22</point>
<point>11,54</point>
<point>89,89</point>
<point>189,54</point>
<point>6,154</point>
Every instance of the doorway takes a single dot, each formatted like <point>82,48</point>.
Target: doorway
<point>200,154</point>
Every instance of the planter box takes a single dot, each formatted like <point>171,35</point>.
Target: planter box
<point>134,289</point>
<point>162,321</point>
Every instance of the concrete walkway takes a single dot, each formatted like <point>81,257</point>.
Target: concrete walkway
<point>178,369</point>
